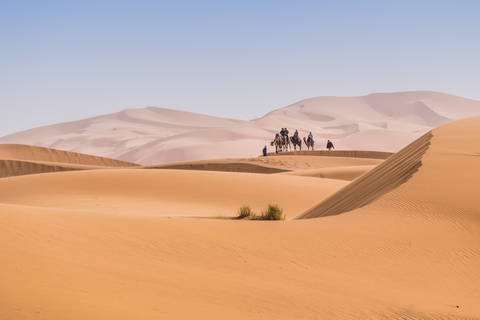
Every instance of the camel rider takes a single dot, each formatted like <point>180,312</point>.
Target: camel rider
<point>295,136</point>
<point>286,134</point>
<point>310,137</point>
<point>282,133</point>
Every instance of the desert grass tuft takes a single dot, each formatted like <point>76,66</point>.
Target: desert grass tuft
<point>245,212</point>
<point>273,213</point>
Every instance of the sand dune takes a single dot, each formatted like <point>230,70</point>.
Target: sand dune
<point>377,182</point>
<point>25,152</point>
<point>446,185</point>
<point>9,168</point>
<point>164,192</point>
<point>22,160</point>
<point>378,122</point>
<point>401,241</point>
<point>284,161</point>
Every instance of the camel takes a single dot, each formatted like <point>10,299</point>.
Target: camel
<point>308,143</point>
<point>286,144</point>
<point>296,142</point>
<point>278,142</point>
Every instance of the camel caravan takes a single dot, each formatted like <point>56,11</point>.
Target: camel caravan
<point>283,142</point>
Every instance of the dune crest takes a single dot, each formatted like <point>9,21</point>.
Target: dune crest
<point>380,180</point>
<point>26,152</point>
<point>16,160</point>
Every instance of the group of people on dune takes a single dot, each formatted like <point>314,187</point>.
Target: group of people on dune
<point>284,134</point>
<point>295,138</point>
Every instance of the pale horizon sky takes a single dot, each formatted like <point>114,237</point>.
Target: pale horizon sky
<point>70,60</point>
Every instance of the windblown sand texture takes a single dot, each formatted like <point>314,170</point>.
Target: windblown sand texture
<point>149,243</point>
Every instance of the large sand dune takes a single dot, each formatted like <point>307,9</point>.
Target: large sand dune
<point>128,243</point>
<point>150,136</point>
<point>375,183</point>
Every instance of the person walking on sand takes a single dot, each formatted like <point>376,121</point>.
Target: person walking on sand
<point>265,151</point>
<point>330,145</point>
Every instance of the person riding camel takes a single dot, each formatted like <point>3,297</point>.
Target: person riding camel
<point>295,136</point>
<point>310,137</point>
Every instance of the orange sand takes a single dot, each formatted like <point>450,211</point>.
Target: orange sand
<point>128,243</point>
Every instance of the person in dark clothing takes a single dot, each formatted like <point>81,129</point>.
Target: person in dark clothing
<point>330,145</point>
<point>265,151</point>
<point>295,136</point>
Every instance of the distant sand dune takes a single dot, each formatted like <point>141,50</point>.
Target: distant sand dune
<point>151,136</point>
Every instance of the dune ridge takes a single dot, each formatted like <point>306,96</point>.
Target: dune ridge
<point>382,179</point>
<point>10,168</point>
<point>228,167</point>
<point>35,153</point>
<point>339,153</point>
<point>16,160</point>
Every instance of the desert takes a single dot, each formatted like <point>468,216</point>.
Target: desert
<point>368,233</point>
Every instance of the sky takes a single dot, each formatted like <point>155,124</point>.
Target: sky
<point>63,60</point>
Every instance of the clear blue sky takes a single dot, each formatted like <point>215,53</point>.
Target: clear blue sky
<point>68,60</point>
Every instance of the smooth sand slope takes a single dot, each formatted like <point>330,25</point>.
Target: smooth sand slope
<point>115,244</point>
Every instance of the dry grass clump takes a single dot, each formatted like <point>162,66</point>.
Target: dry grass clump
<point>272,213</point>
<point>245,212</point>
